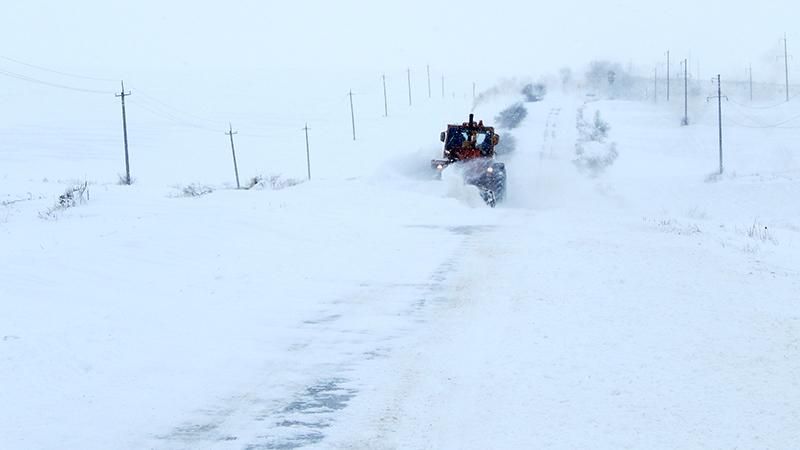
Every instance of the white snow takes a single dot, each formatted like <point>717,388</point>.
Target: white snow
<point>649,306</point>
<point>636,313</point>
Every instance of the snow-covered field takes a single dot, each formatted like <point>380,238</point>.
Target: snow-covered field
<point>647,304</point>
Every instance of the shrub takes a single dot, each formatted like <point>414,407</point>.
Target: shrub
<point>512,116</point>
<point>600,128</point>
<point>122,180</point>
<point>73,196</point>
<point>194,190</point>
<point>534,92</point>
<point>596,131</point>
<point>273,182</point>
<point>760,232</point>
<point>565,74</point>
<point>593,153</point>
<point>673,226</point>
<point>594,157</point>
<point>612,79</point>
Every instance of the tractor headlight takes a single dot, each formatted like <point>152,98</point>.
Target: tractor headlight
<point>490,169</point>
<point>439,167</point>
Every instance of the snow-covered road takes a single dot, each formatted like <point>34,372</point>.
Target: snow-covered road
<point>596,325</point>
<point>576,339</point>
<point>642,307</point>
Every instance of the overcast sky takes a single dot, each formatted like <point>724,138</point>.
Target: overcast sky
<point>498,37</point>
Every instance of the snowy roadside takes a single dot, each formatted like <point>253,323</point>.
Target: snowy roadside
<point>639,306</point>
<point>133,323</point>
<point>643,308</point>
<point>606,346</point>
<point>139,317</point>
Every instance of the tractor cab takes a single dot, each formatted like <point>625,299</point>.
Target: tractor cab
<point>471,147</point>
<point>468,141</point>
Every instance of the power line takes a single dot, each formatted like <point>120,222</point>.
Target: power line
<point>178,110</point>
<point>756,121</point>
<point>55,85</point>
<point>760,124</point>
<point>170,117</point>
<point>66,74</point>
<point>777,125</point>
<point>767,106</point>
<point>184,116</point>
<point>155,108</point>
<point>161,113</point>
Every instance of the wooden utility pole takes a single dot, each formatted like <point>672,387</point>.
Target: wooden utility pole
<point>667,75</point>
<point>409,87</point>
<point>719,106</point>
<point>122,96</point>
<point>308,153</point>
<point>442,86</point>
<point>751,82</point>
<point>786,62</point>
<point>385,98</point>
<point>352,114</point>
<point>719,109</point>
<point>473,92</point>
<point>655,85</point>
<point>685,120</point>
<point>230,133</point>
<point>428,67</point>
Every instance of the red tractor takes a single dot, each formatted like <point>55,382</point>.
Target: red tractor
<point>471,146</point>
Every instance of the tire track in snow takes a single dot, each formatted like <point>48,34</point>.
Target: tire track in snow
<point>549,135</point>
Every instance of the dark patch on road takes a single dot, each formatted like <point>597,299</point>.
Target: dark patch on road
<point>325,319</point>
<point>301,421</point>
<point>460,230</point>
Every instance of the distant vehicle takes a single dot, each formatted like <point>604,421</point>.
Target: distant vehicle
<point>471,146</point>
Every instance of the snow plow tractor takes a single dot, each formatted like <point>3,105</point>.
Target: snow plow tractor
<point>470,147</point>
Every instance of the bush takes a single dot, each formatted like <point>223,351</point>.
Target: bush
<point>594,157</point>
<point>611,79</point>
<point>122,180</point>
<point>565,74</point>
<point>73,196</point>
<point>534,92</point>
<point>512,116</point>
<point>760,232</point>
<point>600,128</point>
<point>596,131</point>
<point>593,153</point>
<point>273,182</point>
<point>193,190</point>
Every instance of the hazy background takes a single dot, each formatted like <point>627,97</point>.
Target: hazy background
<point>269,67</point>
<point>119,39</point>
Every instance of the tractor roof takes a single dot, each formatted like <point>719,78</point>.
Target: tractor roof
<point>472,125</point>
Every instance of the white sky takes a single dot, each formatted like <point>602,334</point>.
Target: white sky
<point>505,38</point>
